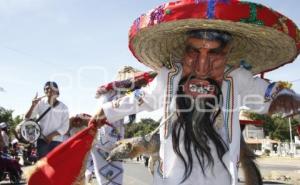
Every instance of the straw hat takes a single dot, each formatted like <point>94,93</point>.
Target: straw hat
<point>263,38</point>
<point>127,72</point>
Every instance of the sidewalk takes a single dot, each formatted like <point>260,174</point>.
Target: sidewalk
<point>282,169</point>
<point>282,160</point>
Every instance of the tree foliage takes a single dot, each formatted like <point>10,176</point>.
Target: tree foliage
<point>141,128</point>
<point>7,117</point>
<point>276,127</point>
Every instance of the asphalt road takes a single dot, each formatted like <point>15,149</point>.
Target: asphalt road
<point>279,167</point>
<point>137,173</point>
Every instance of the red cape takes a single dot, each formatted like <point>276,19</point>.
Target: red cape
<point>65,165</point>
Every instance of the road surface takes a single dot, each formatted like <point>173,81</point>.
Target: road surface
<point>137,173</point>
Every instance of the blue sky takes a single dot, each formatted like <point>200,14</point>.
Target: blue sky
<point>80,44</point>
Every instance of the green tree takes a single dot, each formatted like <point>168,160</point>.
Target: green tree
<point>141,128</point>
<point>7,117</point>
<point>276,127</point>
<point>16,120</point>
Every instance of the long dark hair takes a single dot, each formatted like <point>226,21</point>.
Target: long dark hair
<point>198,129</point>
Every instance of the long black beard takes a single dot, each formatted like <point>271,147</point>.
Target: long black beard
<point>198,130</point>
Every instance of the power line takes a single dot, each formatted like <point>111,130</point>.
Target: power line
<point>41,60</point>
<point>30,55</point>
<point>295,80</point>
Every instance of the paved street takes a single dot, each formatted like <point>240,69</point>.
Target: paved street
<point>137,174</point>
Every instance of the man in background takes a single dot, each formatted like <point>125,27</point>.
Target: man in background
<point>55,122</point>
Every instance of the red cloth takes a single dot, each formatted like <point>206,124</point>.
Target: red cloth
<point>139,80</point>
<point>63,165</point>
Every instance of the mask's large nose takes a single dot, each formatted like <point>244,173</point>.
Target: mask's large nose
<point>202,66</point>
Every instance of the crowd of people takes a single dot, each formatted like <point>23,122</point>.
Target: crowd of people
<point>9,156</point>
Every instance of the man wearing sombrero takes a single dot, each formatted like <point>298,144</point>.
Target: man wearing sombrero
<point>202,50</point>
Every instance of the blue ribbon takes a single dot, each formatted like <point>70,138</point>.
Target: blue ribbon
<point>137,24</point>
<point>268,95</point>
<point>210,13</point>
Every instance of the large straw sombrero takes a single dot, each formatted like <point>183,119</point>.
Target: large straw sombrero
<point>263,38</point>
<point>127,72</point>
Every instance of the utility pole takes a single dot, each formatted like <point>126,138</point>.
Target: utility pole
<point>291,138</point>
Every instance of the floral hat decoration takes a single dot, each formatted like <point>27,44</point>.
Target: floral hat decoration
<point>262,37</point>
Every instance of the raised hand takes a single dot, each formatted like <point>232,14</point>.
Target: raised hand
<point>99,119</point>
<point>36,100</point>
